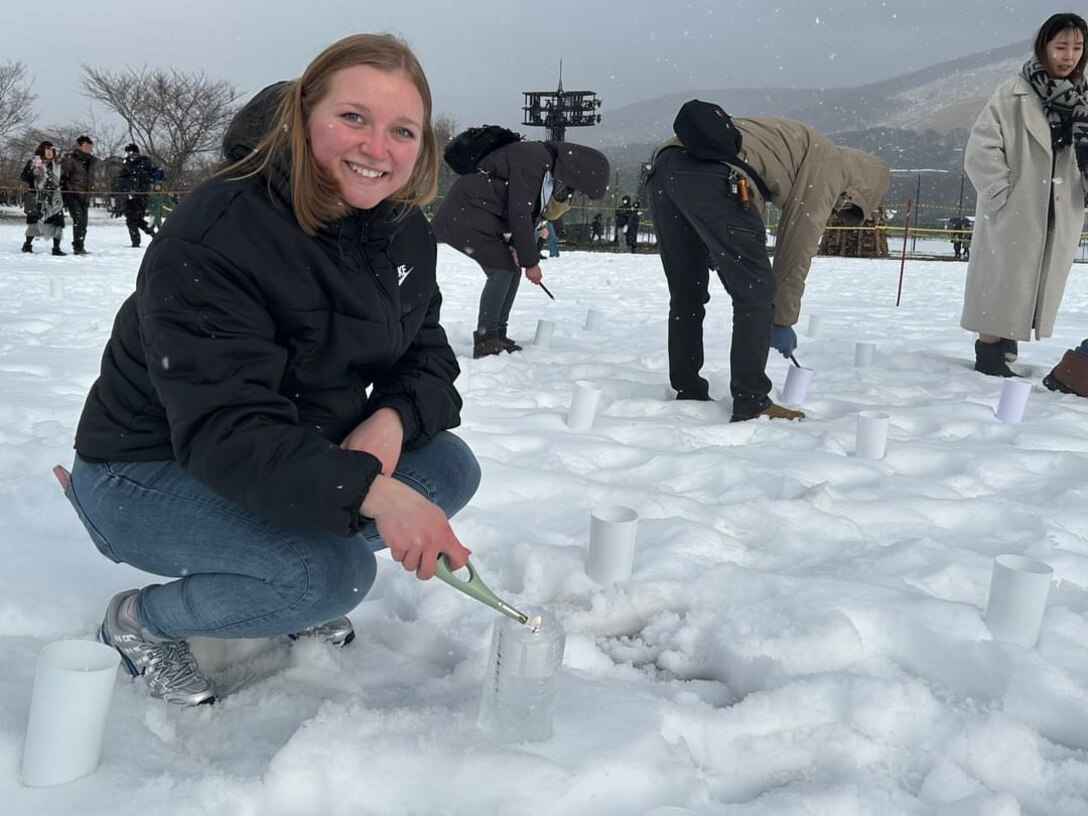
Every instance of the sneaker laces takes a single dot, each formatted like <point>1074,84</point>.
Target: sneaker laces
<point>171,662</point>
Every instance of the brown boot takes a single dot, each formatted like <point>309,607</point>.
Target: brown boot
<point>507,344</point>
<point>772,411</point>
<point>990,359</point>
<point>1070,376</point>
<point>485,344</point>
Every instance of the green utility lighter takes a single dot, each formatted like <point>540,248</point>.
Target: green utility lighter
<point>475,588</point>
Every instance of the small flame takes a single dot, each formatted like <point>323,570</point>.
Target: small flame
<point>535,623</point>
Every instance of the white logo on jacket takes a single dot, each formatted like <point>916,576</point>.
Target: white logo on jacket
<point>403,271</point>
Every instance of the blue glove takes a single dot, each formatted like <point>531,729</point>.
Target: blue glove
<point>783,339</point>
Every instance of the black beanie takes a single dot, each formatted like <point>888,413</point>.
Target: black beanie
<point>131,148</point>
<point>706,131</point>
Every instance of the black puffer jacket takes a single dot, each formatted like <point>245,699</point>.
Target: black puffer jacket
<point>77,174</point>
<point>503,197</point>
<point>247,350</point>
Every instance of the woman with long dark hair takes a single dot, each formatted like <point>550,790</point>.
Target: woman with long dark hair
<point>1027,157</point>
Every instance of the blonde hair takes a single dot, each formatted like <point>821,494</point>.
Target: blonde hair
<point>315,194</point>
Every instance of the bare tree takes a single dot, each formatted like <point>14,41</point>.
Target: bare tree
<point>16,98</point>
<point>174,116</point>
<point>445,128</point>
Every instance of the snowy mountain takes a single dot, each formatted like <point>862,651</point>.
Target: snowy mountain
<point>942,98</point>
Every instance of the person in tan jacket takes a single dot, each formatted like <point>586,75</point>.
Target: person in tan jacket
<point>708,187</point>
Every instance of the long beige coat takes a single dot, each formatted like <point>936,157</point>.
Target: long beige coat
<point>1019,267</point>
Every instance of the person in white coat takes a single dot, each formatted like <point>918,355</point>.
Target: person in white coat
<point>1027,157</point>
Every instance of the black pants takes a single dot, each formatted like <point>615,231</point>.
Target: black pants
<point>135,217</point>
<point>77,208</point>
<point>697,217</point>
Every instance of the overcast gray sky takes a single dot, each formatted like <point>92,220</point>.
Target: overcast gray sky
<point>480,55</point>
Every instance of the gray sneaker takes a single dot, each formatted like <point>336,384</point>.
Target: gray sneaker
<point>337,632</point>
<point>167,666</point>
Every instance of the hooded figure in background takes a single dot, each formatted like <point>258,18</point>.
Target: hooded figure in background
<point>492,216</point>
<point>137,175</point>
<point>708,188</point>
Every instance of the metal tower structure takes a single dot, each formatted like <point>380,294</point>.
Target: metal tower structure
<point>558,110</point>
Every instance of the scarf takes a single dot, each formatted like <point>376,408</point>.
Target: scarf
<point>48,186</point>
<point>1065,103</point>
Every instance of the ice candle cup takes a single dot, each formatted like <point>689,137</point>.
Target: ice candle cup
<point>544,331</point>
<point>1014,399</point>
<point>872,435</point>
<point>594,320</point>
<point>1018,591</point>
<point>583,406</point>
<point>815,323</point>
<point>797,380</point>
<point>864,354</point>
<point>522,680</point>
<point>73,687</point>
<point>611,554</point>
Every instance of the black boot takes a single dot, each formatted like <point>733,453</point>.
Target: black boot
<point>990,360</point>
<point>56,247</point>
<point>77,248</point>
<point>507,343</point>
<point>1010,348</point>
<point>486,344</point>
<point>28,245</point>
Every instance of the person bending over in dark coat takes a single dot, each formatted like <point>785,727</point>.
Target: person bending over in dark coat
<point>274,401</point>
<point>492,216</point>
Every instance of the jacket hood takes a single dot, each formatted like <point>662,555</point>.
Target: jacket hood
<point>252,122</point>
<point>580,168</point>
<point>867,179</point>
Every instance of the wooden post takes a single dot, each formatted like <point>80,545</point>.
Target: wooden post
<point>903,258</point>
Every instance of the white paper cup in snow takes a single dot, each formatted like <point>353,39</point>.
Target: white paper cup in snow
<point>1014,399</point>
<point>73,686</point>
<point>796,387</point>
<point>583,406</point>
<point>594,320</point>
<point>612,532</point>
<point>863,354</point>
<point>872,435</point>
<point>815,324</point>
<point>544,331</point>
<point>1019,587</point>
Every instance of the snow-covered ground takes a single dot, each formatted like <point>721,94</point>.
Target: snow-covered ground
<point>803,633</point>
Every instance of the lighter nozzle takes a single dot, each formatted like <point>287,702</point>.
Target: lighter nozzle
<point>510,612</point>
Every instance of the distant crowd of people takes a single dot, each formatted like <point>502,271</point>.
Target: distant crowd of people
<point>56,184</point>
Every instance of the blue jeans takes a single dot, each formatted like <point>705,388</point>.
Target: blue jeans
<point>553,241</point>
<point>241,575</point>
